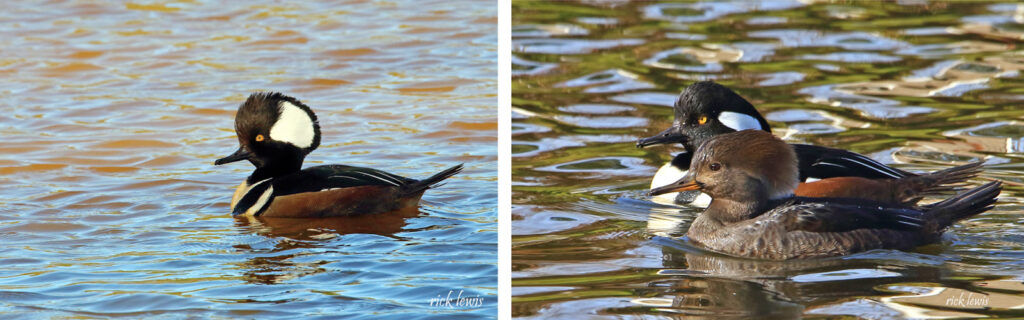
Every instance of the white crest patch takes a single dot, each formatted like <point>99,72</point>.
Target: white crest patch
<point>739,121</point>
<point>293,126</point>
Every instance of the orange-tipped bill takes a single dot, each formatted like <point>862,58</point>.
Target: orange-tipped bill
<point>687,183</point>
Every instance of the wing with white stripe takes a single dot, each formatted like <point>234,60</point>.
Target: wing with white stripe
<point>336,177</point>
<point>822,162</point>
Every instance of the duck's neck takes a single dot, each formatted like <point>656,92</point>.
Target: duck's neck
<point>726,211</point>
<point>682,160</point>
<point>277,168</point>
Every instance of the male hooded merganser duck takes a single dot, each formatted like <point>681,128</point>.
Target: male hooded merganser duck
<point>276,132</point>
<point>751,175</point>
<point>706,109</point>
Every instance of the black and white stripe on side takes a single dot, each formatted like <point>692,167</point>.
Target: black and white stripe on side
<point>823,162</point>
<point>256,199</point>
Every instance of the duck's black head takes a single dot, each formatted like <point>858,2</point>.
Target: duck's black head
<point>275,133</point>
<point>704,110</point>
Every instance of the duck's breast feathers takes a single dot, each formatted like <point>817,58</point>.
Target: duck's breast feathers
<point>843,215</point>
<point>321,178</point>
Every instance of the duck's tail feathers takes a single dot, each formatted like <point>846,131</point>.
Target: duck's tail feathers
<point>434,181</point>
<point>941,182</point>
<point>974,201</point>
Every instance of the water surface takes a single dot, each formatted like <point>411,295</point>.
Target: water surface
<point>114,113</point>
<point>914,84</point>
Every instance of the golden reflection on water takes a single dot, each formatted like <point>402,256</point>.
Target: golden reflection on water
<point>112,114</point>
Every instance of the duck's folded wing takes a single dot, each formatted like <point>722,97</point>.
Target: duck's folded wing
<point>328,177</point>
<point>823,162</point>
<point>842,217</point>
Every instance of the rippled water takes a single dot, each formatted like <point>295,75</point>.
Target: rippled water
<point>113,115</point>
<point>918,85</point>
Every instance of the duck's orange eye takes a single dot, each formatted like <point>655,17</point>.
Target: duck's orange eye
<point>702,120</point>
<point>259,138</point>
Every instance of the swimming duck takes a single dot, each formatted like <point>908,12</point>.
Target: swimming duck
<point>275,133</point>
<point>706,109</point>
<point>751,176</point>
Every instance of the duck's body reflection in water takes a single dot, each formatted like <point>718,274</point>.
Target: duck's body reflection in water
<point>701,283</point>
<point>276,264</point>
<point>385,224</point>
<point>705,284</point>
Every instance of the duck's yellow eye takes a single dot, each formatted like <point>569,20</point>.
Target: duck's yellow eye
<point>702,120</point>
<point>259,138</point>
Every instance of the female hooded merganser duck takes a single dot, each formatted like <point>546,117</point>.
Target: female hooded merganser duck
<point>751,175</point>
<point>276,132</point>
<point>706,109</point>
